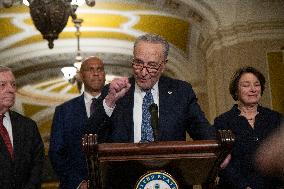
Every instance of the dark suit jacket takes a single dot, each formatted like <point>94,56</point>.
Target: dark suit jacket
<point>178,113</point>
<point>241,170</point>
<point>24,172</point>
<point>65,152</point>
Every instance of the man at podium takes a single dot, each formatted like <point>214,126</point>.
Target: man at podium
<point>125,112</point>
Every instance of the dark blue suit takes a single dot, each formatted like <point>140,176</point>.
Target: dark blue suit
<point>65,151</point>
<point>178,113</point>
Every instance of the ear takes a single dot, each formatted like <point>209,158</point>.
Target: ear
<point>79,76</point>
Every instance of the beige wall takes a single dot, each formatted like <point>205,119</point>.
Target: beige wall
<point>276,77</point>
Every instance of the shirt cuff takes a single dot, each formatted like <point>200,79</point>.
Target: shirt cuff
<point>108,110</point>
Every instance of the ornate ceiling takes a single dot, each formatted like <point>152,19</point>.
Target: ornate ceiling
<point>108,31</point>
<point>194,29</point>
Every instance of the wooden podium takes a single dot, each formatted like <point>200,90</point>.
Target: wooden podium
<point>190,162</point>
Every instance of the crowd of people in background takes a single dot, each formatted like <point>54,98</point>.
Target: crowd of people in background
<point>119,112</point>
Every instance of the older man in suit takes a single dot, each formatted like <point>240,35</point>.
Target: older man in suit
<point>21,146</point>
<point>125,110</point>
<point>65,151</point>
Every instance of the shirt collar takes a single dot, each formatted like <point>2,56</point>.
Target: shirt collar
<point>88,97</point>
<point>6,116</point>
<point>154,89</point>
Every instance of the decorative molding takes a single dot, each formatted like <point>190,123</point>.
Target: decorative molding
<point>177,7</point>
<point>241,32</point>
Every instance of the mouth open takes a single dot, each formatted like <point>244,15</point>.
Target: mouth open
<point>144,80</point>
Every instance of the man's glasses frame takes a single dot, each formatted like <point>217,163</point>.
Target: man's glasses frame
<point>151,67</point>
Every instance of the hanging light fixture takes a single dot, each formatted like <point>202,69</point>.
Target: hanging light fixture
<point>50,16</point>
<point>70,72</point>
<point>77,23</point>
<point>78,2</point>
<point>9,3</point>
<point>73,2</point>
<point>26,2</point>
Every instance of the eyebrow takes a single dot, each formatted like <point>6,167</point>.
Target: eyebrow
<point>141,61</point>
<point>11,81</point>
<point>248,82</point>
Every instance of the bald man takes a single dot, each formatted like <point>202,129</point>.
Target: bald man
<point>65,151</point>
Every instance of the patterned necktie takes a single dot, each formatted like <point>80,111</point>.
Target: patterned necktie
<point>5,136</point>
<point>146,129</point>
<point>93,105</point>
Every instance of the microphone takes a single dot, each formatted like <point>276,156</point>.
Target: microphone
<point>154,120</point>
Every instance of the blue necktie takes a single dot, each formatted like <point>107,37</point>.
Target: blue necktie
<point>146,129</point>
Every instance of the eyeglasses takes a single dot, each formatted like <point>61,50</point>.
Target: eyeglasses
<point>151,67</point>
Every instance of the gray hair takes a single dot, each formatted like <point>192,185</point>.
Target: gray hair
<point>153,38</point>
<point>5,69</point>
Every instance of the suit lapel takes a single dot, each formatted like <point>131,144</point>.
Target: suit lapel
<point>81,108</point>
<point>165,105</point>
<point>18,136</point>
<point>129,102</point>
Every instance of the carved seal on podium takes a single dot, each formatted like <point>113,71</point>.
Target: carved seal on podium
<point>156,180</point>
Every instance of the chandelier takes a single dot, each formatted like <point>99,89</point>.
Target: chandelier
<point>50,16</point>
<point>70,72</point>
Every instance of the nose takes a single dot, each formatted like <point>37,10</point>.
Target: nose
<point>95,72</point>
<point>11,88</point>
<point>144,71</point>
<point>253,88</point>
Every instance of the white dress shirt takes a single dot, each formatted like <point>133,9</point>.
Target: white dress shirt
<point>88,98</point>
<point>137,109</point>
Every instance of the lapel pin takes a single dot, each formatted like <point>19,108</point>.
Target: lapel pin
<point>170,92</point>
